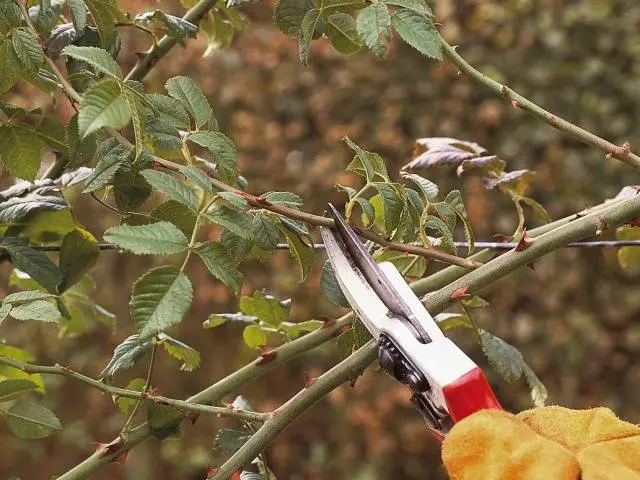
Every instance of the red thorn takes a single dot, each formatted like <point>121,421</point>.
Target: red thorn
<point>106,449</point>
<point>634,223</point>
<point>461,292</point>
<point>211,472</point>
<point>524,243</point>
<point>532,266</point>
<point>341,330</point>
<point>267,355</point>
<point>309,380</point>
<point>328,322</point>
<point>192,417</point>
<point>601,226</point>
<point>263,201</point>
<point>516,104</point>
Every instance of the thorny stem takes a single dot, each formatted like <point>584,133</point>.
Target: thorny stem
<point>121,392</point>
<point>435,303</point>
<point>622,153</point>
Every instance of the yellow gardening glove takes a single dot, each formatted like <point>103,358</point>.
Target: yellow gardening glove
<point>547,443</point>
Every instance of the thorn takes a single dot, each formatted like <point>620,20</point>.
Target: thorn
<point>503,238</point>
<point>191,417</point>
<point>328,322</point>
<point>553,121</point>
<point>341,330</point>
<point>516,104</point>
<point>461,292</point>
<point>266,355</point>
<point>601,226</point>
<point>211,472</point>
<point>140,55</point>
<point>609,156</point>
<point>106,449</point>
<point>532,266</point>
<point>634,223</point>
<point>524,242</point>
<point>309,380</point>
<point>263,201</point>
<point>352,382</point>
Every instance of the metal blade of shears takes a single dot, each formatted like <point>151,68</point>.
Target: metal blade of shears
<point>377,280</point>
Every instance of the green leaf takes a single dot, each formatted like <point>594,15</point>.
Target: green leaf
<point>164,420</point>
<point>20,150</point>
<point>103,12</point>
<point>103,105</point>
<point>300,251</point>
<point>408,265</point>
<point>418,31</point>
<point>98,58</point>
<point>447,321</point>
<point>454,199</point>
<point>11,67</point>
<point>37,264</point>
<point>137,120</point>
<point>235,246</point>
<point>427,187</point>
<point>345,342</point>
<point>26,296</point>
<point>474,302</point>
<point>17,207</point>
<point>189,94</point>
<point>245,475</point>
<point>223,152</point>
<point>265,231</point>
<point>392,204</point>
<point>28,49</point>
<point>219,30</point>
<point>288,15</point>
<point>125,404</point>
<point>629,257</point>
<point>294,330</point>
<point>130,190</point>
<point>233,200</point>
<point>160,299</point>
<point>341,30</point>
<point>445,241</point>
<point>177,213</point>
<point>265,307</point>
<point>418,6</point>
<point>369,164</point>
<point>374,26</point>
<point>111,155</point>
<point>10,16</point>
<point>169,110</point>
<point>197,177</point>
<point>176,27</point>
<point>40,310</point>
<point>80,150</point>
<point>216,319</point>
<point>160,238</point>
<point>51,131</point>
<point>360,334</point>
<point>7,372</point>
<point>330,286</point>
<point>5,308</point>
<point>229,441</point>
<point>308,30</point>
<point>286,199</point>
<point>510,364</point>
<point>172,187</point>
<point>538,210</point>
<point>31,421</point>
<point>125,356</point>
<point>220,264</point>
<point>78,14</point>
<point>239,223</point>
<point>78,254</point>
<point>13,388</point>
<point>180,351</point>
<point>254,336</point>
<point>368,212</point>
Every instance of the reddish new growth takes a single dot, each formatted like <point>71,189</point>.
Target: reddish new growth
<point>309,380</point>
<point>634,223</point>
<point>460,293</point>
<point>524,242</point>
<point>267,355</point>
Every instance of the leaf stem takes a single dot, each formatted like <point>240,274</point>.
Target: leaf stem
<point>145,390</point>
<point>121,392</point>
<point>622,153</point>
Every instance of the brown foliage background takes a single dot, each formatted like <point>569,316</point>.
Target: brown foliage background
<point>574,317</point>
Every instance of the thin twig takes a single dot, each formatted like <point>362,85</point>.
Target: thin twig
<point>622,153</point>
<point>121,392</point>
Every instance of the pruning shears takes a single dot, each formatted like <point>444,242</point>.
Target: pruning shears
<point>447,385</point>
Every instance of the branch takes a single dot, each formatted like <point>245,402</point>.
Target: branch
<point>435,303</point>
<point>166,43</point>
<point>140,396</point>
<point>611,150</point>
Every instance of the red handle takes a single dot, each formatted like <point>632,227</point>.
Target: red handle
<point>468,394</point>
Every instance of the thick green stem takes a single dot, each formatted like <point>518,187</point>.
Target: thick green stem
<point>436,302</point>
<point>622,153</point>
